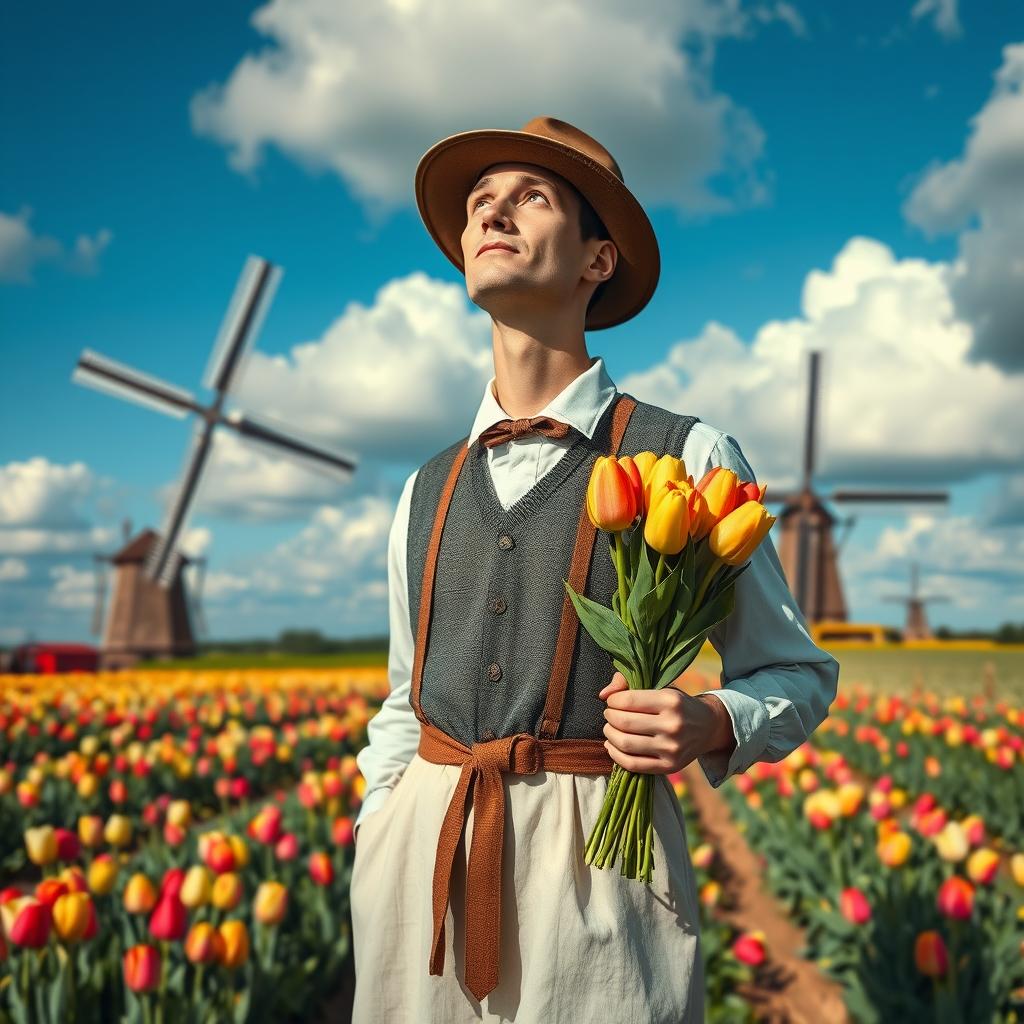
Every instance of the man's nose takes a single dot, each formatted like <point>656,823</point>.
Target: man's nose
<point>497,213</point>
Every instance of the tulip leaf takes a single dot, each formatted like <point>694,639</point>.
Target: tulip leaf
<point>59,992</point>
<point>636,604</point>
<point>710,613</point>
<point>671,670</point>
<point>606,629</point>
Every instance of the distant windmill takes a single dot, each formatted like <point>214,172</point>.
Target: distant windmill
<point>162,559</point>
<point>916,627</point>
<point>806,548</point>
<point>143,615</point>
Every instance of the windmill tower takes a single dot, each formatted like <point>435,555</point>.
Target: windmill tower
<point>142,624</point>
<point>145,620</point>
<point>916,627</point>
<point>807,549</point>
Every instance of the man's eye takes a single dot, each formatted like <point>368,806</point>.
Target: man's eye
<point>532,192</point>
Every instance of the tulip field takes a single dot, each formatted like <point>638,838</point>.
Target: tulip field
<point>176,845</point>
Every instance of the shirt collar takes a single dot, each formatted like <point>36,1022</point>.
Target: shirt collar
<point>580,403</point>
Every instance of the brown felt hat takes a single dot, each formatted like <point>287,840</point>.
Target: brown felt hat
<point>451,167</point>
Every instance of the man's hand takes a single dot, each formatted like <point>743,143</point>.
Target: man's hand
<point>662,731</point>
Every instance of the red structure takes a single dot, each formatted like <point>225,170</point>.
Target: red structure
<point>47,659</point>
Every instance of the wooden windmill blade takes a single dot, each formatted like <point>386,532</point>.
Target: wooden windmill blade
<point>113,378</point>
<point>164,560</point>
<point>271,437</point>
<point>245,314</point>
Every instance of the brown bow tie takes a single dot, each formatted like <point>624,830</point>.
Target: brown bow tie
<point>511,430</point>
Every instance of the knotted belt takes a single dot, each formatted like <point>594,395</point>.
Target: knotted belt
<point>482,768</point>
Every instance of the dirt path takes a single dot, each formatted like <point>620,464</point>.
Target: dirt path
<point>792,990</point>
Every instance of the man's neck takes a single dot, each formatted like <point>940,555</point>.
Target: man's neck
<point>529,370</point>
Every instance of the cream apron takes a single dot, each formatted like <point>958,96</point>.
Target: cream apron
<point>577,943</point>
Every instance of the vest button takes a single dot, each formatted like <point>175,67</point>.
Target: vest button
<point>497,605</point>
<point>494,671</point>
<point>505,542</point>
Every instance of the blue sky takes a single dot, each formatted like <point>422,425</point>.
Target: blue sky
<point>817,175</point>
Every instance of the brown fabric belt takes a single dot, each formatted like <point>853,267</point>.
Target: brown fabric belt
<point>484,762</point>
<point>482,768</point>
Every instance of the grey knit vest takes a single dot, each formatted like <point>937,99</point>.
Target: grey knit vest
<point>498,589</point>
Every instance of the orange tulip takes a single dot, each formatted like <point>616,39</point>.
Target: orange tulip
<point>227,891</point>
<point>203,944</point>
<point>236,943</point>
<point>930,954</point>
<point>894,849</point>
<point>611,499</point>
<point>983,865</point>
<point>719,487</point>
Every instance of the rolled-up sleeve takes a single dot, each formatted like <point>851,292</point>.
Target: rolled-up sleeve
<point>393,734</point>
<point>776,684</point>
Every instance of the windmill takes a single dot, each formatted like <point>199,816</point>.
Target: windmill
<point>916,627</point>
<point>807,550</point>
<point>164,631</point>
<point>152,618</point>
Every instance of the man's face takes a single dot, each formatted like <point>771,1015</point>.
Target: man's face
<point>534,214</point>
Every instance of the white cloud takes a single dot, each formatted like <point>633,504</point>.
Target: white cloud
<point>22,250</point>
<point>943,13</point>
<point>900,403</point>
<point>73,589</point>
<point>12,569</point>
<point>984,187</point>
<point>43,508</point>
<point>362,90</point>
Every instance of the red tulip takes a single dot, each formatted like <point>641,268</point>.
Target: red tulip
<point>170,918</point>
<point>287,847</point>
<point>142,968</point>
<point>68,846</point>
<point>749,948</point>
<point>320,868</point>
<point>31,927</point>
<point>956,898</point>
<point>854,906</point>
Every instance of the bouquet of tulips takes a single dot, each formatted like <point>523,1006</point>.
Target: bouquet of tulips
<point>678,548</point>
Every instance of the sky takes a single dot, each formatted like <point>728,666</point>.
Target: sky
<point>831,177</point>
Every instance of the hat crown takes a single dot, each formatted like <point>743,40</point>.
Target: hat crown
<point>569,135</point>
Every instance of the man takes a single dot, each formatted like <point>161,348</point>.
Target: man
<point>488,762</point>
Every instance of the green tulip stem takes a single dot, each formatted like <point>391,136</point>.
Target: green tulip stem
<point>712,569</point>
<point>610,795</point>
<point>622,570</point>
<point>659,568</point>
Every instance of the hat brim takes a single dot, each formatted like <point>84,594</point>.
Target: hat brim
<point>450,168</point>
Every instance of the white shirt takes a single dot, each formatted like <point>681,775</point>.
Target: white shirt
<point>777,684</point>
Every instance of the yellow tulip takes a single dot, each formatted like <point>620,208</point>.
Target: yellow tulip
<point>734,538</point>
<point>270,903</point>
<point>102,874</point>
<point>197,886</point>
<point>668,467</point>
<point>1017,868</point>
<point>645,462</point>
<point>118,831</point>
<point>140,894</point>
<point>90,830</point>
<point>951,843</point>
<point>41,844</point>
<point>179,813</point>
<point>71,915</point>
<point>240,850</point>
<point>667,527</point>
